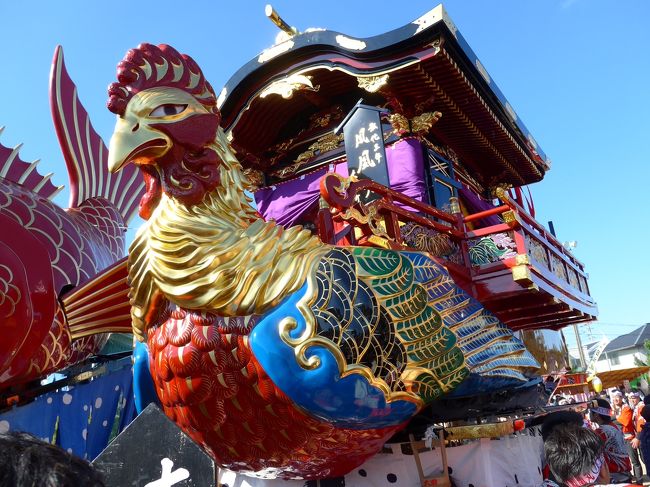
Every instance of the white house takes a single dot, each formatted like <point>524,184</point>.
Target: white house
<point>621,352</point>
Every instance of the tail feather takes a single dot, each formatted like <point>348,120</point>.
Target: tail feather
<point>485,359</point>
<point>521,361</point>
<point>467,330</point>
<point>13,168</point>
<point>489,346</point>
<point>85,152</point>
<point>488,337</point>
<point>100,305</point>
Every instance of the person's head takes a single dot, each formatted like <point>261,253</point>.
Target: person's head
<point>634,398</point>
<point>601,412</point>
<point>26,461</point>
<point>575,456</point>
<point>617,398</point>
<point>557,418</point>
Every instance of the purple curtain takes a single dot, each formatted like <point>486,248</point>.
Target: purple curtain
<point>474,204</point>
<point>406,170</point>
<point>287,202</point>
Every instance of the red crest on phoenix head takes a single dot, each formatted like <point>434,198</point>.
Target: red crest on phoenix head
<point>148,66</point>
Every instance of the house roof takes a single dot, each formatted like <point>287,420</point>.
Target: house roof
<point>633,339</point>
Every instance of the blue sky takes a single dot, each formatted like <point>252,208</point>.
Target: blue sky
<point>576,72</point>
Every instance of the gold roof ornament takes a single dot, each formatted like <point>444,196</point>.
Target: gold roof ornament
<point>286,87</point>
<point>372,84</point>
<point>287,30</point>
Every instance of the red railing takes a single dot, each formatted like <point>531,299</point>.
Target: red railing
<point>382,218</point>
<point>341,195</point>
<point>498,210</point>
<point>551,241</point>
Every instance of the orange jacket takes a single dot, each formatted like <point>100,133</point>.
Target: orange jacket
<point>625,418</point>
<point>639,421</point>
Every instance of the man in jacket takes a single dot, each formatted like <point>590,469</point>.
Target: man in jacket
<point>625,417</point>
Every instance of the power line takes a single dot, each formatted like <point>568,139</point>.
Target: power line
<point>624,325</point>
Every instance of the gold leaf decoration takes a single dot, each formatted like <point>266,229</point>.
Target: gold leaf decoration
<point>372,84</point>
<point>286,87</point>
<point>326,143</point>
<point>417,125</point>
<point>255,178</point>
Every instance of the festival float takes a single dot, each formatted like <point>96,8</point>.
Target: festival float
<point>386,281</point>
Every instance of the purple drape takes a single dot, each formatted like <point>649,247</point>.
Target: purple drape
<point>286,203</point>
<point>406,170</point>
<point>474,204</point>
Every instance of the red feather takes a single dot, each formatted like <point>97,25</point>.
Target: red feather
<point>231,407</point>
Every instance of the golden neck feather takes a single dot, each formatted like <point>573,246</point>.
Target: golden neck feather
<point>217,256</point>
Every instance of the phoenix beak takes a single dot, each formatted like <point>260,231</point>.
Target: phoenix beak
<point>135,143</point>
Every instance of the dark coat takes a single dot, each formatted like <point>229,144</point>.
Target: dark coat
<point>644,438</point>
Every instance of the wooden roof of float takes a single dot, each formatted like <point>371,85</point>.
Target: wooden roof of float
<point>273,100</point>
<point>576,383</point>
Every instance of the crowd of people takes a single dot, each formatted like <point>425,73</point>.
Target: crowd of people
<point>602,444</point>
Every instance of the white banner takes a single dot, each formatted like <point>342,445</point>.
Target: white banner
<point>512,461</point>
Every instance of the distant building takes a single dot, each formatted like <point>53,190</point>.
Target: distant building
<point>621,352</point>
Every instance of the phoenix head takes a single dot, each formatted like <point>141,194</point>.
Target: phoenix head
<point>167,124</point>
<point>203,247</point>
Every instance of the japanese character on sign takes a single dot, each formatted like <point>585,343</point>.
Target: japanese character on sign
<point>364,147</point>
<point>365,161</point>
<point>169,478</point>
<point>360,137</point>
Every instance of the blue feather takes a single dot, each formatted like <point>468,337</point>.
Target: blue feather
<point>489,346</point>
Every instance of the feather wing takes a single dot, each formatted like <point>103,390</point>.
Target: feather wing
<point>84,150</point>
<point>435,364</point>
<point>400,316</point>
<point>370,305</point>
<point>348,313</point>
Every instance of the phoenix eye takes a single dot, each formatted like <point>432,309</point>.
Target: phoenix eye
<point>167,110</point>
